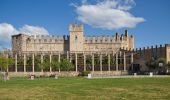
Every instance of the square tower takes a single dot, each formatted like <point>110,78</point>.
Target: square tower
<point>76,37</point>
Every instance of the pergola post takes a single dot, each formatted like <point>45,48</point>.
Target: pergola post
<point>67,55</point>
<point>33,63</point>
<point>108,62</point>
<point>41,62</point>
<point>124,64</point>
<point>24,63</point>
<point>70,58</point>
<point>132,60</point>
<point>50,63</point>
<point>93,62</point>
<point>84,62</point>
<point>101,62</point>
<point>76,60</point>
<point>59,61</point>
<point>117,66</point>
<point>16,63</point>
<point>7,63</point>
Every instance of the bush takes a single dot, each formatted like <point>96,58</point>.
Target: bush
<point>52,75</point>
<point>85,73</point>
<point>42,76</point>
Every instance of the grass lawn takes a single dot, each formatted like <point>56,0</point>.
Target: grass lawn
<point>86,89</point>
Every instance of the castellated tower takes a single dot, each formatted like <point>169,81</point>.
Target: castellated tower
<point>131,42</point>
<point>19,43</point>
<point>76,37</point>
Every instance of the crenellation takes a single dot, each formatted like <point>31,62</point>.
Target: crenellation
<point>126,33</point>
<point>122,37</point>
<point>58,38</point>
<point>136,50</point>
<point>117,38</point>
<point>93,39</point>
<point>160,46</point>
<point>75,39</point>
<point>144,48</point>
<point>76,27</point>
<point>113,39</point>
<point>108,39</point>
<point>68,37</point>
<point>103,38</point>
<point>98,39</point>
<point>89,39</point>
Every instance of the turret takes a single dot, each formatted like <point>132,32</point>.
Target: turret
<point>76,28</point>
<point>76,37</point>
<point>131,42</point>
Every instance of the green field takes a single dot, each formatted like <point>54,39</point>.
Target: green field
<point>86,89</point>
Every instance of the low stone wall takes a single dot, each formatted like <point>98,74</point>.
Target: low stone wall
<point>108,73</point>
<point>68,73</point>
<point>26,74</point>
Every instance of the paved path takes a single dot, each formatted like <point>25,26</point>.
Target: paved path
<point>132,76</point>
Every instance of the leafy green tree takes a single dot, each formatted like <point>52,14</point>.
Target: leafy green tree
<point>37,62</point>
<point>161,60</point>
<point>45,65</point>
<point>55,65</point>
<point>151,63</point>
<point>66,65</point>
<point>105,60</point>
<point>154,63</point>
<point>88,61</point>
<point>41,65</point>
<point>5,63</point>
<point>96,61</point>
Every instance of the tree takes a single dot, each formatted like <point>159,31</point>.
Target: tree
<point>88,61</point>
<point>105,60</point>
<point>66,65</point>
<point>161,60</point>
<point>151,63</point>
<point>154,63</point>
<point>44,65</point>
<point>4,64</point>
<point>55,65</point>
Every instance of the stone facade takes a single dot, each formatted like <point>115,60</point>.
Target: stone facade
<point>94,53</point>
<point>142,55</point>
<point>75,42</point>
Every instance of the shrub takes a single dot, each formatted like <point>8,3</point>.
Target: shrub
<point>85,73</point>
<point>52,75</point>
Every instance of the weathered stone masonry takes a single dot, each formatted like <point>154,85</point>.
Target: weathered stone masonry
<point>77,48</point>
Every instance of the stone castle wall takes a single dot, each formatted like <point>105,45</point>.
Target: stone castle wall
<point>142,55</point>
<point>76,41</point>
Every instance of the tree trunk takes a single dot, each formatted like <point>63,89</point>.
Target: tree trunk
<point>5,76</point>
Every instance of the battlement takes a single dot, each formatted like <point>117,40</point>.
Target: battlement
<point>151,47</point>
<point>76,27</point>
<point>47,39</point>
<point>71,42</point>
<point>108,39</point>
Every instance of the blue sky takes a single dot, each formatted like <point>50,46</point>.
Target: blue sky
<point>152,19</point>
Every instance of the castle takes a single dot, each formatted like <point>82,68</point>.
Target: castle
<point>75,42</point>
<point>97,53</point>
<point>77,48</point>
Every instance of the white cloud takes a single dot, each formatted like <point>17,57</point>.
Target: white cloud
<point>108,14</point>
<point>33,30</point>
<point>6,30</point>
